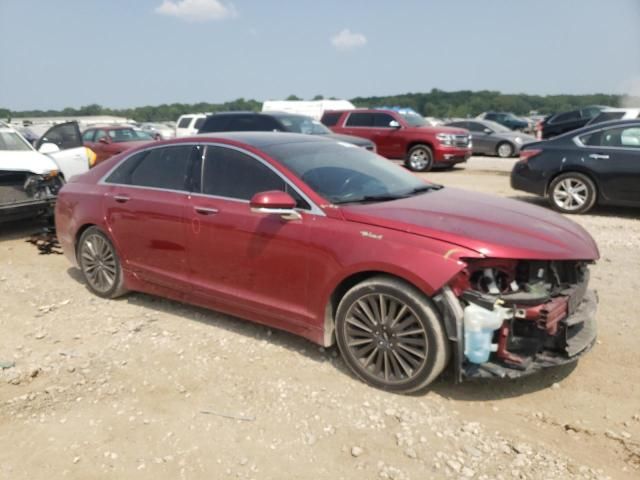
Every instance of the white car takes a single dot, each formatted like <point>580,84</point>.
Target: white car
<point>31,177</point>
<point>159,131</point>
<point>609,114</point>
<point>188,125</point>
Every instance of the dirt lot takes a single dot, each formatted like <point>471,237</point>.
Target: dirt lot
<point>147,388</point>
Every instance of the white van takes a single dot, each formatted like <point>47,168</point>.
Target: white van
<point>312,108</point>
<point>189,124</point>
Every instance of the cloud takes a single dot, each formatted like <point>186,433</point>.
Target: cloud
<point>348,40</point>
<point>197,10</point>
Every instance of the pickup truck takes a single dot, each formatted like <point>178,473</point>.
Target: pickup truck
<point>405,136</point>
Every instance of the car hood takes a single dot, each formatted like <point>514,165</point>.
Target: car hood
<point>26,161</point>
<point>359,141</point>
<point>438,129</point>
<point>492,226</point>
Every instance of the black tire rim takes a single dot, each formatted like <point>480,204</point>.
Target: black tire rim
<point>385,338</point>
<point>98,261</point>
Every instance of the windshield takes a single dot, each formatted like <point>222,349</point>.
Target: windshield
<point>300,124</point>
<point>414,120</point>
<point>11,141</point>
<point>496,127</point>
<point>344,173</point>
<point>128,135</point>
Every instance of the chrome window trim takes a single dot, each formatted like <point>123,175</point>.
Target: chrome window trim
<point>579,143</point>
<point>315,209</point>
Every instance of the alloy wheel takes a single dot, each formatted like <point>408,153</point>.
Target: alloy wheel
<point>570,194</point>
<point>419,159</point>
<point>98,262</point>
<point>505,150</point>
<point>385,336</point>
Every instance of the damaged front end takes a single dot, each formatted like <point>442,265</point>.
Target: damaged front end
<point>510,318</point>
<point>26,194</point>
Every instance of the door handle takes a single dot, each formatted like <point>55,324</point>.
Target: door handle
<point>597,156</point>
<point>206,210</point>
<point>121,198</point>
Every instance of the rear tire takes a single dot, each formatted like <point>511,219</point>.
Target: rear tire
<point>100,264</point>
<point>390,335</point>
<point>419,158</point>
<point>572,192</point>
<point>504,150</point>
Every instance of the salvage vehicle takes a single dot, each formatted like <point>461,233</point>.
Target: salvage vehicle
<point>276,122</point>
<point>30,178</point>
<point>405,136</point>
<point>596,165</point>
<point>491,138</point>
<point>336,244</point>
<point>107,141</point>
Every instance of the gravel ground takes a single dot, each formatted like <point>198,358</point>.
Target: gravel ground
<point>143,388</point>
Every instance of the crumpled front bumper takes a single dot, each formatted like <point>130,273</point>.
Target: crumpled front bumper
<point>580,334</point>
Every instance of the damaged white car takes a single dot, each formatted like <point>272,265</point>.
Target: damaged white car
<point>30,178</point>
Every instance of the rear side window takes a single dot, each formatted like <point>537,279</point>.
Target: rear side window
<point>331,119</point>
<point>360,120</point>
<point>627,137</point>
<point>382,120</point>
<point>472,126</point>
<point>566,117</point>
<point>166,167</point>
<point>184,122</point>
<point>215,123</point>
<point>233,174</point>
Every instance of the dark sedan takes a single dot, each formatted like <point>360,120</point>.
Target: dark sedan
<point>276,122</point>
<point>491,138</point>
<point>599,164</point>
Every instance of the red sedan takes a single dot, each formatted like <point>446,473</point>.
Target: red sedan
<point>337,244</point>
<point>110,140</point>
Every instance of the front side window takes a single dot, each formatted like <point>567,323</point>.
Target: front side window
<point>233,174</point>
<point>166,167</point>
<point>360,120</point>
<point>566,117</point>
<point>100,134</point>
<point>11,141</point>
<point>414,120</point>
<point>331,119</point>
<point>65,136</point>
<point>382,120</point>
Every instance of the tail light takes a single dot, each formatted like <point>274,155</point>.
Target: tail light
<point>539,130</point>
<point>525,155</point>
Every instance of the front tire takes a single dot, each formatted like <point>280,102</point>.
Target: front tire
<point>419,158</point>
<point>505,150</point>
<point>100,264</point>
<point>572,192</point>
<point>390,335</point>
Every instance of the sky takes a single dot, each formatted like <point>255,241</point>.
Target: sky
<point>126,53</point>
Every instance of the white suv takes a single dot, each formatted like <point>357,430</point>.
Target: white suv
<point>31,177</point>
<point>188,125</point>
<point>609,114</point>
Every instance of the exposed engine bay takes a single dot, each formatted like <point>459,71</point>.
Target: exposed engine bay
<point>22,193</point>
<point>519,316</point>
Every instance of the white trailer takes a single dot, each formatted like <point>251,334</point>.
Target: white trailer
<point>311,108</point>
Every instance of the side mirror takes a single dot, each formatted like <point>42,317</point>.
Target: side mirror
<point>488,131</point>
<point>48,147</point>
<point>275,202</point>
<point>104,140</point>
<point>394,124</point>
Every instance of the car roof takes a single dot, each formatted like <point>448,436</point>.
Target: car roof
<point>261,139</point>
<point>621,109</point>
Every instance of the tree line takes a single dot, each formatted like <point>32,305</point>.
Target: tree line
<point>436,103</point>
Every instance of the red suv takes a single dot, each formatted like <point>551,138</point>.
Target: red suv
<point>404,135</point>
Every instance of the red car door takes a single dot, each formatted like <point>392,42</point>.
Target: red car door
<point>387,135</point>
<point>234,252</point>
<point>145,210</point>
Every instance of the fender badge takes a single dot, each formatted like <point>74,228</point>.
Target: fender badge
<point>367,234</point>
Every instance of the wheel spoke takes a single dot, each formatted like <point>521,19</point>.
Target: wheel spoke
<point>367,311</point>
<point>357,343</point>
<point>360,325</point>
<point>370,357</point>
<point>383,308</point>
<point>398,315</point>
<point>411,350</point>
<point>405,367</point>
